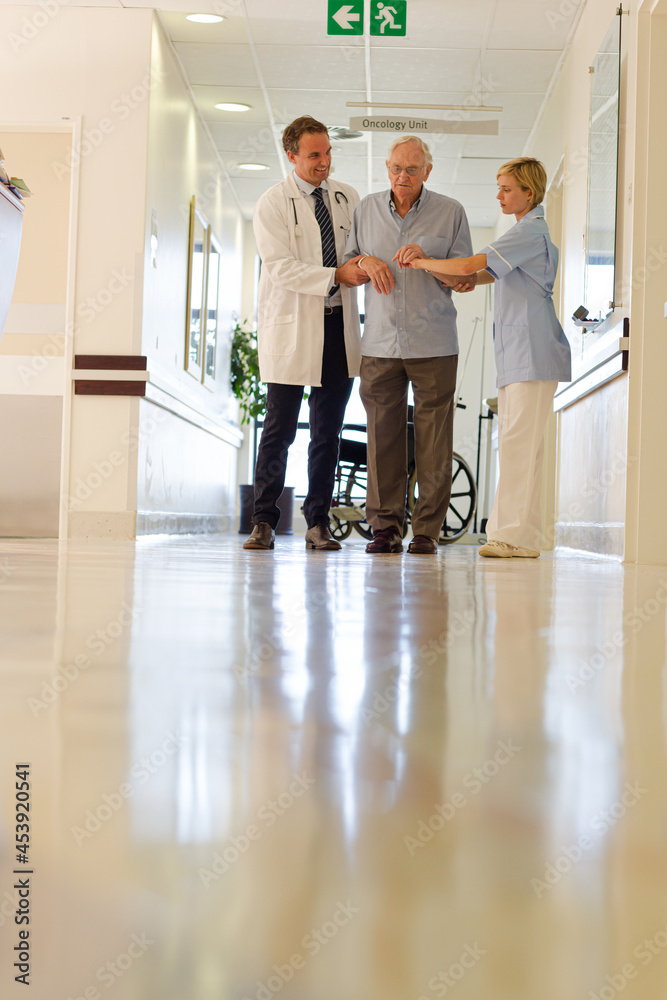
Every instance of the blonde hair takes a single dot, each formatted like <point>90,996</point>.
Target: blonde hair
<point>530,175</point>
<point>428,159</point>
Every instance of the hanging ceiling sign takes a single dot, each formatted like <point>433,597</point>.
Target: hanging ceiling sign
<point>345,18</point>
<point>388,123</point>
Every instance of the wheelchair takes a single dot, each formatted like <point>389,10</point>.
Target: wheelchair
<point>349,500</point>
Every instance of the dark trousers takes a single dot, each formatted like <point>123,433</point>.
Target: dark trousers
<point>327,409</point>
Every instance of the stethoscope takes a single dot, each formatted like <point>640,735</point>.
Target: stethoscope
<point>338,195</point>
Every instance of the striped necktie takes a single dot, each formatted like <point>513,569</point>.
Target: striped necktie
<point>329,257</point>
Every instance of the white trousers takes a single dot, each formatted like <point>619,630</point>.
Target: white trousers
<point>523,410</point>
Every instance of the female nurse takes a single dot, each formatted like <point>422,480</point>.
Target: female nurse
<point>532,352</point>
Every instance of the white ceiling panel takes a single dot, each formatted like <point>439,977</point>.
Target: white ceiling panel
<point>508,144</point>
<point>325,105</point>
<point>232,136</point>
<point>217,65</point>
<point>424,70</point>
<point>323,69</point>
<point>492,52</point>
<point>520,70</point>
<point>527,24</point>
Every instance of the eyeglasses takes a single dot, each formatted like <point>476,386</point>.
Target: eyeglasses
<point>410,171</point>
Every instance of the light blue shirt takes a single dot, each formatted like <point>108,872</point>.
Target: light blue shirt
<point>528,339</point>
<point>418,318</point>
<point>336,299</point>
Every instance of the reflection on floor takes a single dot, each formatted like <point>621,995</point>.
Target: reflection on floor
<point>330,776</point>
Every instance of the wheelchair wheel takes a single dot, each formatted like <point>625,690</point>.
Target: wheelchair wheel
<point>462,503</point>
<point>355,494</point>
<point>340,530</point>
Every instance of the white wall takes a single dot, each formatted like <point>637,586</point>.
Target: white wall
<point>187,467</point>
<point>592,432</point>
<point>66,69</point>
<point>109,75</point>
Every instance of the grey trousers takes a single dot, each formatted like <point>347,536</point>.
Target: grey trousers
<point>384,393</point>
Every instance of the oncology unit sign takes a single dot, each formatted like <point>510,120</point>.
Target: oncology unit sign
<point>389,123</point>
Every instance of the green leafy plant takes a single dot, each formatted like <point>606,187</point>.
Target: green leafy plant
<point>244,374</point>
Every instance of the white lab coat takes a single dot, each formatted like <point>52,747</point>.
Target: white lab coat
<point>293,284</point>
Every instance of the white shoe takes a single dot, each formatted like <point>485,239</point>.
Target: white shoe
<point>503,550</point>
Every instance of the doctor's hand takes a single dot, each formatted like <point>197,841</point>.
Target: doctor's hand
<point>350,274</point>
<point>408,253</point>
<point>379,273</point>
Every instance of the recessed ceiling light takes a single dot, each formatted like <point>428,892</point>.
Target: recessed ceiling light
<point>234,107</point>
<point>205,18</point>
<point>253,166</point>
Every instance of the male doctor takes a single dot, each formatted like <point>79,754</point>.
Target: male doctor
<point>308,328</point>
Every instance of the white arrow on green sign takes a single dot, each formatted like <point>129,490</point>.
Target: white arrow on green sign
<point>346,18</point>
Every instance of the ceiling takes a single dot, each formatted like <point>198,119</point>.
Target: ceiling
<point>275,55</point>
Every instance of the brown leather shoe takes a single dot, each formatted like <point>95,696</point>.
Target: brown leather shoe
<point>386,542</point>
<point>319,537</point>
<point>422,545</point>
<point>263,537</point>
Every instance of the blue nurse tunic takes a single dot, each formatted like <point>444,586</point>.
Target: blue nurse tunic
<point>528,339</point>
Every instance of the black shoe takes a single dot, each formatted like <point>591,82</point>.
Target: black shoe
<point>423,545</point>
<point>386,542</point>
<point>263,537</point>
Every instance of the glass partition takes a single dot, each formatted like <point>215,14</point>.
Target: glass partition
<point>603,175</point>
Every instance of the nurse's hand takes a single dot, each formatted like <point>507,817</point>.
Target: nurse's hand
<point>408,253</point>
<point>379,273</point>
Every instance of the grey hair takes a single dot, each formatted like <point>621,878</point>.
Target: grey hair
<point>428,159</point>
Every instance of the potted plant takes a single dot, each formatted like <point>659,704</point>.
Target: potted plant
<point>250,391</point>
<point>244,374</point>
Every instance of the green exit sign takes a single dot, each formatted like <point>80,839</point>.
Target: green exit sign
<point>389,18</point>
<point>346,18</point>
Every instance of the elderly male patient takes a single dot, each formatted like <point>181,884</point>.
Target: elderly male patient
<point>409,338</point>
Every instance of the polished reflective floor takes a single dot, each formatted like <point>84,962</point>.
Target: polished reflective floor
<point>330,776</point>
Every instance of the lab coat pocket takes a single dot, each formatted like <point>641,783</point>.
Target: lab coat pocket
<point>280,334</point>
